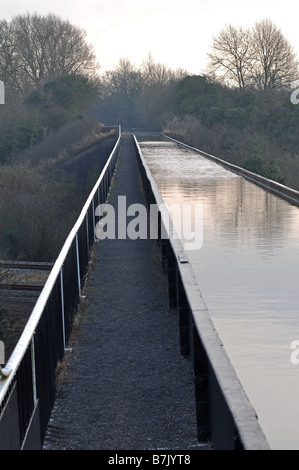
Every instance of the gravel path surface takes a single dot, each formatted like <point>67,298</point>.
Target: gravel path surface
<point>125,386</point>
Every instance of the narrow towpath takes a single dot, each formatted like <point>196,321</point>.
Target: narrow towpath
<point>126,385</point>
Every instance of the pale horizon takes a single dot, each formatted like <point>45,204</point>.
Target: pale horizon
<point>177,33</point>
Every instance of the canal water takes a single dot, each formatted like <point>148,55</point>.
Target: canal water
<point>247,270</point>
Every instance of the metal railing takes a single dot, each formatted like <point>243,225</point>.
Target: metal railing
<point>225,416</point>
<point>27,382</point>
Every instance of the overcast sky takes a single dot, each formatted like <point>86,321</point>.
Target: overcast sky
<point>176,32</point>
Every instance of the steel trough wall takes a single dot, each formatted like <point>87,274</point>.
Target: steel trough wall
<point>225,416</point>
<point>279,189</point>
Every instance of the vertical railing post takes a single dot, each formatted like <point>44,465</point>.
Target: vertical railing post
<point>201,382</point>
<point>93,222</point>
<point>87,231</point>
<point>183,314</point>
<point>28,391</point>
<point>172,278</point>
<point>33,367</point>
<point>62,307</point>
<point>78,265</point>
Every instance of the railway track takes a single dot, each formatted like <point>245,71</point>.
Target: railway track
<point>26,265</point>
<point>20,273</point>
<point>21,287</point>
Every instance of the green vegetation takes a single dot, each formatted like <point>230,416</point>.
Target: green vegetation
<point>39,203</point>
<point>250,128</point>
<point>253,128</point>
<point>40,128</point>
<point>138,97</point>
<point>45,121</point>
<point>241,110</point>
<point>249,123</point>
<point>42,111</point>
<point>54,110</point>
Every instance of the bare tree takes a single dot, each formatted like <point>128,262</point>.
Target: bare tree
<point>9,66</point>
<point>274,65</point>
<point>156,73</point>
<point>120,92</point>
<point>36,48</point>
<point>259,57</point>
<point>231,55</point>
<point>160,83</point>
<point>138,96</point>
<point>124,80</point>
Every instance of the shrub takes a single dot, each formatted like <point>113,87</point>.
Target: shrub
<point>36,214</point>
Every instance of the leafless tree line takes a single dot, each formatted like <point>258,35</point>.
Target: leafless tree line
<point>34,48</point>
<point>138,95</point>
<point>260,57</point>
<point>126,78</point>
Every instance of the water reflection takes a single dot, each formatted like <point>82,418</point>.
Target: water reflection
<point>247,270</point>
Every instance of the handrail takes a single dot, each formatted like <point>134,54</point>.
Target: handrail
<point>55,280</point>
<point>25,338</point>
<point>225,415</point>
